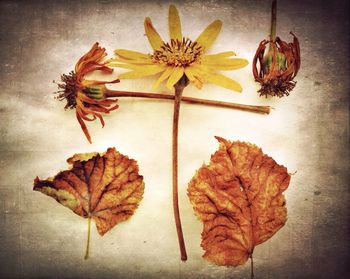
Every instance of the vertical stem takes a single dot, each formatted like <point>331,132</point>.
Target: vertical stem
<point>251,266</point>
<point>179,87</point>
<point>273,20</point>
<point>88,239</point>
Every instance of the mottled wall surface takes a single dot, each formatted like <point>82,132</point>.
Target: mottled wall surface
<point>308,132</point>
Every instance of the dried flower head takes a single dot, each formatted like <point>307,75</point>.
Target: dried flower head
<point>87,96</point>
<point>180,57</point>
<point>278,68</point>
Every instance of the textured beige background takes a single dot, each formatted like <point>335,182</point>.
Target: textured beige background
<point>308,132</point>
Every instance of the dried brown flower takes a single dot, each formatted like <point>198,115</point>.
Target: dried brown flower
<point>87,96</point>
<point>276,69</point>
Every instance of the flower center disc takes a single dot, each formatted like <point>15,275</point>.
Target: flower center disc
<point>68,89</point>
<point>178,53</point>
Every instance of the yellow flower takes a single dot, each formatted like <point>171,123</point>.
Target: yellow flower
<point>179,57</point>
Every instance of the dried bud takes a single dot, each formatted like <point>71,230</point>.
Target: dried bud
<point>278,67</point>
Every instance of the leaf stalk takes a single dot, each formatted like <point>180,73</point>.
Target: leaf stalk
<point>251,266</point>
<point>88,240</point>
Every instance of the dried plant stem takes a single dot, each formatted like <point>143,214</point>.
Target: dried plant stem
<point>251,108</point>
<point>179,87</point>
<point>88,239</point>
<point>251,266</point>
<point>273,20</point>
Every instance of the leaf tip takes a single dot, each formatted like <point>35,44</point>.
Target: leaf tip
<point>222,140</point>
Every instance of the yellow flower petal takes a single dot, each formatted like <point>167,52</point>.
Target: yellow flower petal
<point>218,56</point>
<point>208,36</point>
<point>175,76</point>
<point>190,73</point>
<point>202,70</point>
<point>197,74</point>
<point>127,66</point>
<point>133,61</point>
<point>224,81</point>
<point>194,77</point>
<point>174,24</point>
<point>142,71</point>
<point>163,77</point>
<point>226,64</point>
<point>153,37</point>
<point>129,54</point>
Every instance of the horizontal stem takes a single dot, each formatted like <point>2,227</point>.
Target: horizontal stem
<point>257,109</point>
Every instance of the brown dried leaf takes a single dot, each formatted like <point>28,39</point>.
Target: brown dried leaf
<point>238,196</point>
<point>107,188</point>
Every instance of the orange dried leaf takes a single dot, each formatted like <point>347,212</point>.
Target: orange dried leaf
<point>239,199</point>
<point>107,188</point>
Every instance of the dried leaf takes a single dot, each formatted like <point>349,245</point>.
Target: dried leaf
<point>107,188</point>
<point>238,196</point>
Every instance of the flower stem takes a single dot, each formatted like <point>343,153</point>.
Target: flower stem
<point>273,20</point>
<point>251,108</point>
<point>179,87</point>
<point>88,239</point>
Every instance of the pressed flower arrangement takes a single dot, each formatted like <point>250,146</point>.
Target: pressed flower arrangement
<point>178,63</point>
